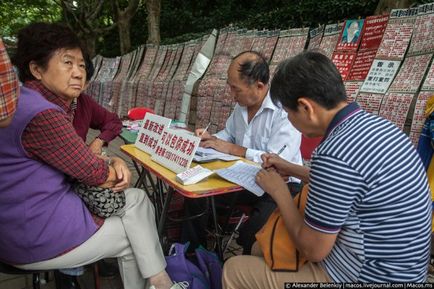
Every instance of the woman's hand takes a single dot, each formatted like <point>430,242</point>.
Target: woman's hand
<point>123,174</point>
<point>275,162</point>
<point>271,182</point>
<point>96,146</point>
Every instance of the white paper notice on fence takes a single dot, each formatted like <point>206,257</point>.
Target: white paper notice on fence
<point>242,174</point>
<point>380,76</point>
<point>175,150</point>
<point>150,132</point>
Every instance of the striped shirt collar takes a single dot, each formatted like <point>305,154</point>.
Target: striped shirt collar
<point>342,116</point>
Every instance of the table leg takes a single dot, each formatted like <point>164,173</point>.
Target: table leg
<point>163,216</point>
<point>218,234</point>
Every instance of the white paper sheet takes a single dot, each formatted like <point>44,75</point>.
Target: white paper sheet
<point>210,158</point>
<point>242,174</point>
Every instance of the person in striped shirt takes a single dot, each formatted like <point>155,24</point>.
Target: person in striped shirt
<point>368,213</point>
<point>9,88</point>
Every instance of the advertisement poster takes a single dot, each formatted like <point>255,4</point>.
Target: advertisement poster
<point>150,132</point>
<point>380,76</point>
<point>361,65</point>
<point>351,35</point>
<point>175,150</point>
<point>374,30</point>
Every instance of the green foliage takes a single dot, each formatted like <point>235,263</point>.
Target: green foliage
<point>183,20</point>
<point>15,14</point>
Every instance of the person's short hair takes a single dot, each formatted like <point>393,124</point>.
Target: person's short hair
<point>254,69</point>
<point>37,42</point>
<point>309,74</point>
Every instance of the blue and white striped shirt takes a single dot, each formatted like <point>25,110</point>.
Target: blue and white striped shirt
<point>368,184</point>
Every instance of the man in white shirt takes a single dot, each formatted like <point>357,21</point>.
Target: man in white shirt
<point>256,126</point>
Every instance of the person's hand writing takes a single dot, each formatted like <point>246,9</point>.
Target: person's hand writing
<point>203,134</point>
<point>271,182</point>
<point>275,162</point>
<point>123,174</point>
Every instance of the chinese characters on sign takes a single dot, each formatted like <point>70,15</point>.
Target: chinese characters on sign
<point>370,102</point>
<point>343,62</point>
<point>380,76</point>
<point>175,150</point>
<point>395,106</point>
<point>411,74</point>
<point>352,88</point>
<point>150,132</point>
<point>374,30</point>
<point>397,37</point>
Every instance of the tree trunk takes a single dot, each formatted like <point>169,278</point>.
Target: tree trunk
<point>123,17</point>
<point>153,7</point>
<point>90,43</point>
<point>124,35</point>
<point>385,6</point>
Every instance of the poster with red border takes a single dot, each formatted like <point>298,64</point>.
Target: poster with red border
<point>373,32</point>
<point>361,65</point>
<point>330,39</point>
<point>351,35</point>
<point>343,62</point>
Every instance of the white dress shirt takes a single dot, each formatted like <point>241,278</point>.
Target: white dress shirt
<point>268,131</point>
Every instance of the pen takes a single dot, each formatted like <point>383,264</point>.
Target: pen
<point>205,129</point>
<point>281,150</point>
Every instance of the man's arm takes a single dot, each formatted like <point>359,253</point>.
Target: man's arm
<point>315,245</point>
<point>330,200</point>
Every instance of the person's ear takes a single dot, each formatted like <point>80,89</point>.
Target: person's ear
<point>260,85</point>
<point>35,70</point>
<point>306,107</point>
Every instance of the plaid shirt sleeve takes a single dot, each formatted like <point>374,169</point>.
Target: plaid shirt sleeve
<point>9,86</point>
<point>51,138</point>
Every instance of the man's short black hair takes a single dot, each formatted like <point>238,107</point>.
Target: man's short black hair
<point>254,69</point>
<point>309,74</point>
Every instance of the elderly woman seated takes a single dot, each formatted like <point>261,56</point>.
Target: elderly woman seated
<point>44,223</point>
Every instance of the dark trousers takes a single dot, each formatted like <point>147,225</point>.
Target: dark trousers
<point>195,230</point>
